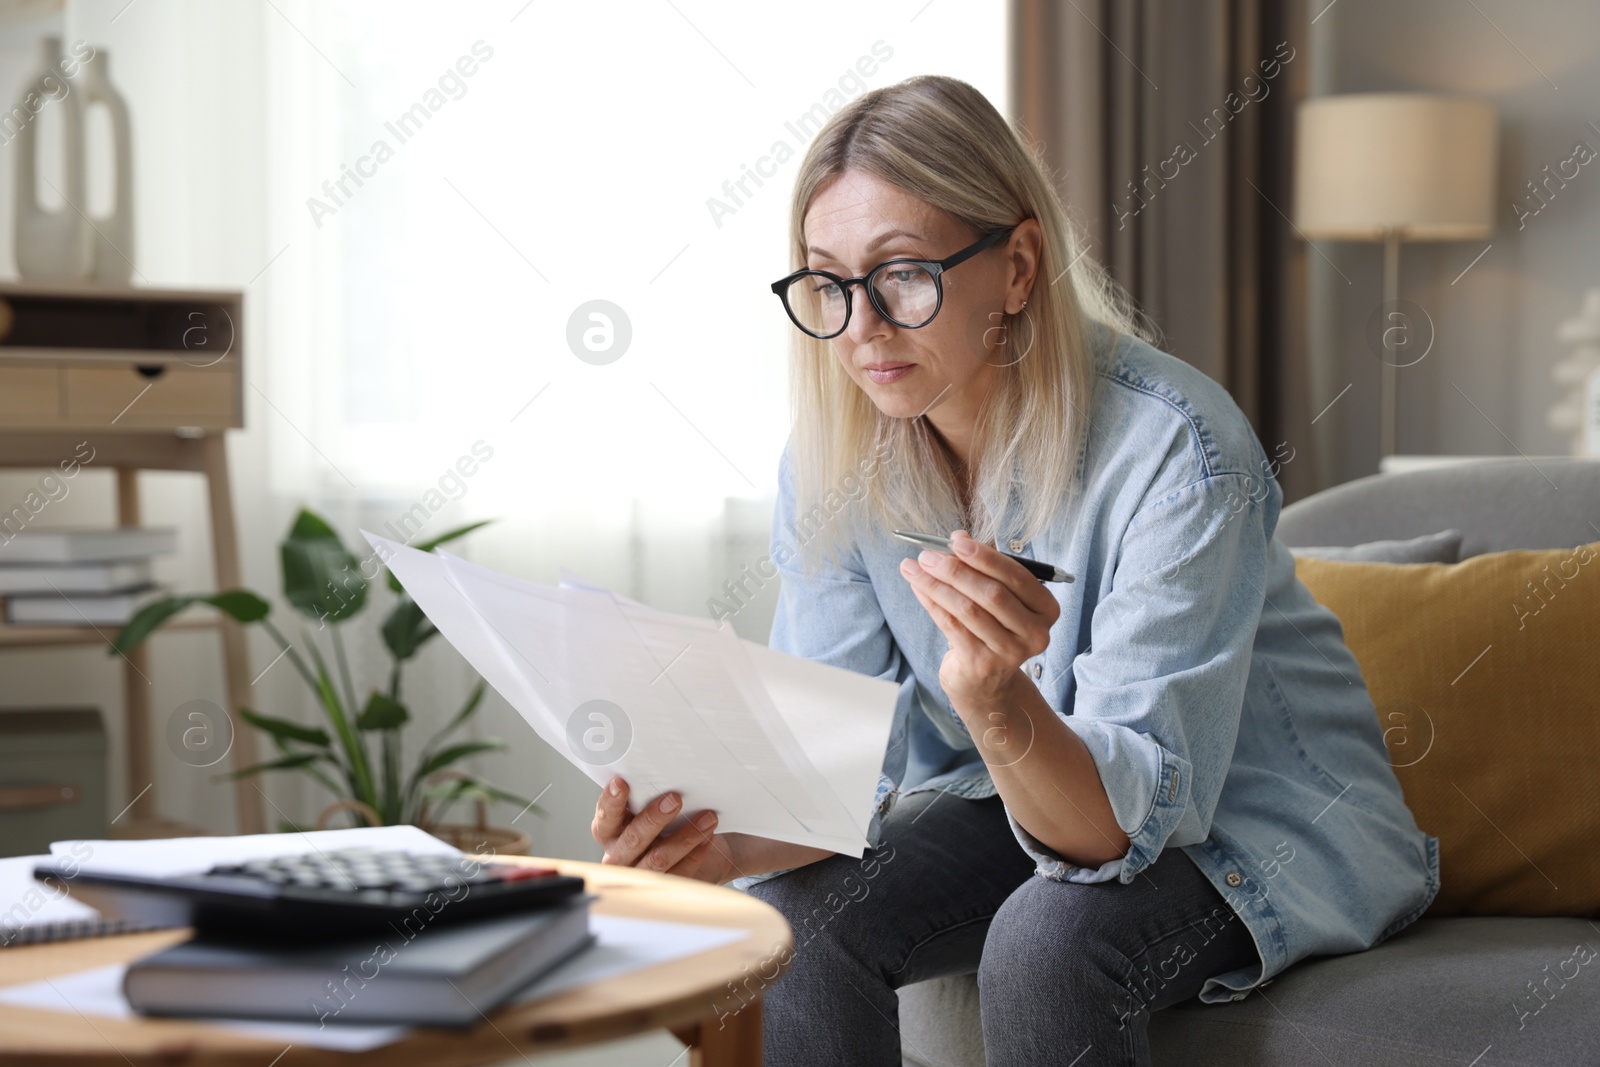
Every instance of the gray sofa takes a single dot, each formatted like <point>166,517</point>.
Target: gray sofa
<point>1442,991</point>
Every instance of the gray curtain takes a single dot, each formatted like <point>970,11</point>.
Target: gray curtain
<point>1168,124</point>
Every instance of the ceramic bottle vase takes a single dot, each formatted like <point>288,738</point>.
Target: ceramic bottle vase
<point>112,235</point>
<point>52,245</point>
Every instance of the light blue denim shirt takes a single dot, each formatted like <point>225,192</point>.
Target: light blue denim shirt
<point>1224,711</point>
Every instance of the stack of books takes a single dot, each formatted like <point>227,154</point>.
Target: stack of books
<point>78,577</point>
<point>375,925</point>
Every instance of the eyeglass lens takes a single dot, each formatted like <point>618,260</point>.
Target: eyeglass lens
<point>907,294</point>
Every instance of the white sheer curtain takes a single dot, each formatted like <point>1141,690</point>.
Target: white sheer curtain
<point>409,304</point>
<point>593,152</point>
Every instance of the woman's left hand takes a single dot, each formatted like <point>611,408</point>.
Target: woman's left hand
<point>992,611</point>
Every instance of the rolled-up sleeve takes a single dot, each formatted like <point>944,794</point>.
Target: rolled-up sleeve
<point>1160,692</point>
<point>832,616</point>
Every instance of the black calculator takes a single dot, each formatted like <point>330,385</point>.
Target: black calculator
<point>315,894</point>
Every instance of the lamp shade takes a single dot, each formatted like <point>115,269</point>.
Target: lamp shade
<point>1420,165</point>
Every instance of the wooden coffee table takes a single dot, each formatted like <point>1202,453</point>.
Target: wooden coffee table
<point>710,1001</point>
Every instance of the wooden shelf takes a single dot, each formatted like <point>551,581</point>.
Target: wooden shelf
<point>34,636</point>
<point>151,379</point>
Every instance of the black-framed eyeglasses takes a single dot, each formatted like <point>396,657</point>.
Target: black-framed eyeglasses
<point>906,292</point>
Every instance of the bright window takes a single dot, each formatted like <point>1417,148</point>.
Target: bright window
<point>452,182</point>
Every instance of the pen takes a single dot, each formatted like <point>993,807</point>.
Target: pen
<point>1042,571</point>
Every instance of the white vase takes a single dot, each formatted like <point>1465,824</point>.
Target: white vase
<point>113,233</point>
<point>52,245</point>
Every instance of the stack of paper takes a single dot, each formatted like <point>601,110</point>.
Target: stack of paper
<point>778,746</point>
<point>80,576</point>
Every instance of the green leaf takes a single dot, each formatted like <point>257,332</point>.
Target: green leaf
<point>322,776</point>
<point>440,760</point>
<point>448,791</point>
<point>413,797</point>
<point>282,745</point>
<point>288,763</point>
<point>320,576</point>
<point>146,619</point>
<point>393,802</point>
<point>445,795</point>
<point>240,604</point>
<point>355,752</point>
<point>472,788</point>
<point>283,729</point>
<point>406,629</point>
<point>429,546</point>
<point>461,716</point>
<point>451,535</point>
<point>497,793</point>
<point>381,713</point>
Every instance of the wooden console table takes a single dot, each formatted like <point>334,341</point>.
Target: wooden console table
<point>151,379</point>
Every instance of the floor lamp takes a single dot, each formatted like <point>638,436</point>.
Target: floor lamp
<point>1394,167</point>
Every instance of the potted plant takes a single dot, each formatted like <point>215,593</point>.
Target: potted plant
<point>359,754</point>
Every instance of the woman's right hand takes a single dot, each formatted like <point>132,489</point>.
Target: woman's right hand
<point>691,851</point>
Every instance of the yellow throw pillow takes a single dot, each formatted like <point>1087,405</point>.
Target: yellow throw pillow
<point>1486,677</point>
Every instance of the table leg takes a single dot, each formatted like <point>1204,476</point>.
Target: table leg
<point>249,812</point>
<point>732,1040</point>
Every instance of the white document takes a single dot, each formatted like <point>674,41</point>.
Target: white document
<point>778,746</point>
<point>171,856</point>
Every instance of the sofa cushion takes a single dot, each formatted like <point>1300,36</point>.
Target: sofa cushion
<point>1441,547</point>
<point>1441,991</point>
<point>1485,677</point>
<point>940,1023</point>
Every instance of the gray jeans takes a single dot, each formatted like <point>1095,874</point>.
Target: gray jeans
<point>1067,973</point>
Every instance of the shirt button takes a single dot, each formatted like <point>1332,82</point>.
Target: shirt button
<point>1016,544</point>
<point>1233,879</point>
<point>1038,670</point>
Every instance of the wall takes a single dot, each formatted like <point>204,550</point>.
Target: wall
<point>1485,386</point>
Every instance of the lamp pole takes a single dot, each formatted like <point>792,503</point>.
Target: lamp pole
<point>1387,384</point>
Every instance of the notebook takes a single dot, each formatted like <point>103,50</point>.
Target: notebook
<point>438,976</point>
<point>31,912</point>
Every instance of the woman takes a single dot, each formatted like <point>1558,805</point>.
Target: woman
<point>1164,779</point>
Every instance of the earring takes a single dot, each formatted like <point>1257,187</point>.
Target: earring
<point>1024,307</point>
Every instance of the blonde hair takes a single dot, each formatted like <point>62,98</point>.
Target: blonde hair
<point>940,140</point>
